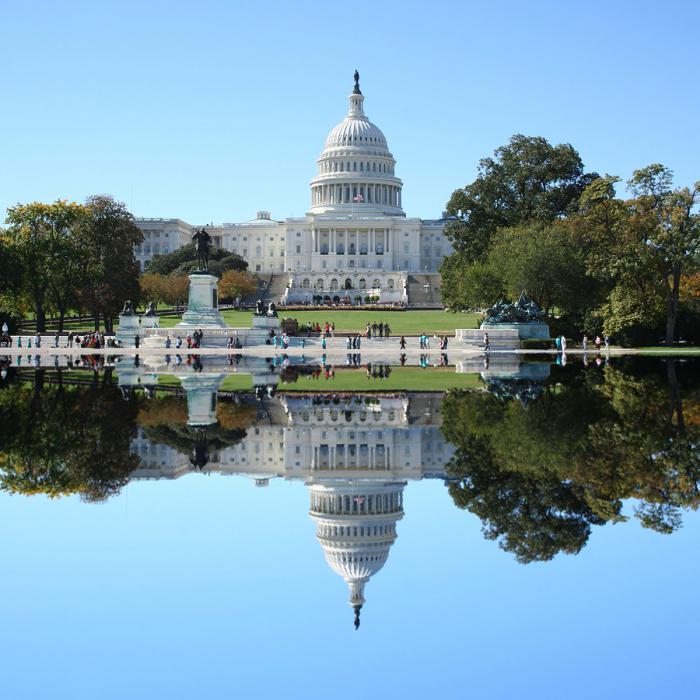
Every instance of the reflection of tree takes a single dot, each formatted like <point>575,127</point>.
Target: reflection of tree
<point>540,475</point>
<point>58,439</point>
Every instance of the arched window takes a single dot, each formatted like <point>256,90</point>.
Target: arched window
<point>334,284</point>
<point>306,284</point>
<point>319,284</point>
<point>348,283</point>
<point>363,283</point>
<point>376,284</point>
<point>391,284</point>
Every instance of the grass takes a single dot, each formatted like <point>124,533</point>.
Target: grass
<point>412,322</point>
<point>232,382</point>
<point>401,379</point>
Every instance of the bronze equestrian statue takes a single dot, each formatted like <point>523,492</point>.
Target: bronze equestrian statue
<point>202,242</point>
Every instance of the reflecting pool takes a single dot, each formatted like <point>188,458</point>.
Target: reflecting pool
<point>243,526</point>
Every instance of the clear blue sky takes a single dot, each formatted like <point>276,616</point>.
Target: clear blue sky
<point>208,111</point>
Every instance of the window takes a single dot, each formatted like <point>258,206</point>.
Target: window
<point>405,248</point>
<point>298,249</point>
<point>258,251</point>
<point>257,268</point>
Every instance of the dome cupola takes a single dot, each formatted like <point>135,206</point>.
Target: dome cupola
<point>356,526</point>
<point>356,169</point>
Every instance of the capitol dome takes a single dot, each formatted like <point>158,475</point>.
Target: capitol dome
<point>356,169</point>
<point>356,526</point>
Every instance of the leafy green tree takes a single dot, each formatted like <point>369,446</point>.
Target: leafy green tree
<point>41,238</point>
<point>539,475</point>
<point>546,263</point>
<point>669,225</point>
<point>183,261</point>
<point>111,272</point>
<point>60,440</point>
<point>527,181</point>
<point>469,285</point>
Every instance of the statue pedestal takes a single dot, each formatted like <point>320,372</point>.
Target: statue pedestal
<point>531,330</point>
<point>203,304</point>
<point>267,322</point>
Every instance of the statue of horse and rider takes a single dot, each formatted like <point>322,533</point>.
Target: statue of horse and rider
<point>202,243</point>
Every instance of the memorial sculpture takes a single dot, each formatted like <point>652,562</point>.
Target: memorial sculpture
<point>150,309</point>
<point>524,315</point>
<point>202,243</point>
<point>522,311</point>
<point>271,310</point>
<point>128,309</point>
<point>259,309</point>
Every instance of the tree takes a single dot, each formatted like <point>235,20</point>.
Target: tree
<point>152,287</point>
<point>545,262</point>
<point>59,442</point>
<point>175,289</point>
<point>41,238</point>
<point>669,225</point>
<point>235,284</point>
<point>111,275</point>
<point>528,180</point>
<point>467,285</point>
<point>184,260</point>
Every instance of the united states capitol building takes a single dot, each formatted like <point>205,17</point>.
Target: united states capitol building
<point>354,240</point>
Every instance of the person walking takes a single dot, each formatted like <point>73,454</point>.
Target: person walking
<point>323,341</point>
<point>563,343</point>
<point>168,342</point>
<point>56,339</point>
<point>584,343</point>
<point>557,342</point>
<point>402,343</point>
<point>487,345</point>
<point>606,340</point>
<point>387,330</point>
<point>597,343</point>
<point>5,328</point>
<point>348,343</point>
<point>368,331</point>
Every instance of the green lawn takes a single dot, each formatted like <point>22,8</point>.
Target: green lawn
<point>232,382</point>
<point>401,379</point>
<point>401,322</point>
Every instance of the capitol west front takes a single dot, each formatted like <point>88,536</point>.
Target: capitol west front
<point>354,240</point>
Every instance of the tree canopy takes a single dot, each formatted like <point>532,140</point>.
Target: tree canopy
<point>183,261</point>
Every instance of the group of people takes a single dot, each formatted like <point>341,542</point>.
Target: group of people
<point>328,329</point>
<point>377,330</point>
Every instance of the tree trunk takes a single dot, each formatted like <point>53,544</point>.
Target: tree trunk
<point>96,319</point>
<point>61,319</point>
<point>675,401</point>
<point>672,296</point>
<point>40,317</point>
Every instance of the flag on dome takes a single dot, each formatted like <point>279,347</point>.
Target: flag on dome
<point>358,198</point>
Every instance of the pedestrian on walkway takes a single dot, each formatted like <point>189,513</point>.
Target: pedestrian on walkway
<point>402,343</point>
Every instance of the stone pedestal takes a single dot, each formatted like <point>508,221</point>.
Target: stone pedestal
<point>526,331</point>
<point>201,398</point>
<point>128,329</point>
<point>131,326</point>
<point>266,322</point>
<point>203,305</point>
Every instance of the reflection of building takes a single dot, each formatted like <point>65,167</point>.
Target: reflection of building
<point>355,239</point>
<point>355,453</point>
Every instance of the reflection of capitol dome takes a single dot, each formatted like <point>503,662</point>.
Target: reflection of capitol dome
<point>356,169</point>
<point>356,526</point>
